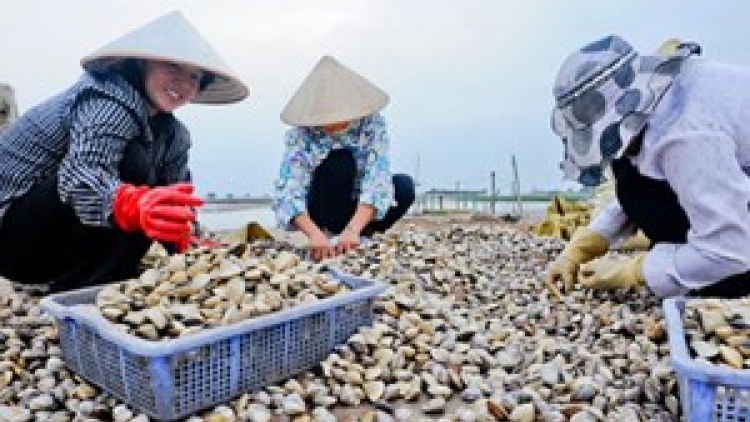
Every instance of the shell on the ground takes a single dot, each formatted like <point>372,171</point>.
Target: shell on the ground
<point>467,331</point>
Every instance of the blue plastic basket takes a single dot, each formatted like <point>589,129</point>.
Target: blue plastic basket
<point>171,379</point>
<point>707,392</point>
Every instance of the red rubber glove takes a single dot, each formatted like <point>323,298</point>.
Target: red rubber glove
<point>163,213</point>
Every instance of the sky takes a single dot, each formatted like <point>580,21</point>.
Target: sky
<point>469,81</point>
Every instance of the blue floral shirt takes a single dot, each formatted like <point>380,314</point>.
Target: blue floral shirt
<point>307,147</point>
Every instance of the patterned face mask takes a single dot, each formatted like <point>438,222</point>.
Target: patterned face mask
<point>604,95</point>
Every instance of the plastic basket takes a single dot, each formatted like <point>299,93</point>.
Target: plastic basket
<point>171,379</point>
<point>708,393</point>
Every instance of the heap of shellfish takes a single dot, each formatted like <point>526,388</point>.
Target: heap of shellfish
<point>206,288</point>
<point>718,331</point>
<point>466,332</point>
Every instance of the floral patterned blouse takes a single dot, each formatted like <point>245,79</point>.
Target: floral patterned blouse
<point>307,147</point>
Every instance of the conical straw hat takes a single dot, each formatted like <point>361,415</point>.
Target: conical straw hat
<point>172,38</point>
<point>332,93</point>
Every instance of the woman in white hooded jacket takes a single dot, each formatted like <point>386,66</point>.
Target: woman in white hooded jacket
<point>675,131</point>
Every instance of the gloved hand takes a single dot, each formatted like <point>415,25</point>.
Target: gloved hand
<point>163,213</point>
<point>637,242</point>
<point>613,273</point>
<point>585,245</point>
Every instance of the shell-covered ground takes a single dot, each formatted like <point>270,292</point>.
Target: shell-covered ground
<point>466,331</point>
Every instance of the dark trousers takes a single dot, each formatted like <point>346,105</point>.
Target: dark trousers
<point>42,241</point>
<point>653,206</point>
<point>332,199</point>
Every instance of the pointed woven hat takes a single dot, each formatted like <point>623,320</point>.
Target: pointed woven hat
<point>171,38</point>
<point>332,93</point>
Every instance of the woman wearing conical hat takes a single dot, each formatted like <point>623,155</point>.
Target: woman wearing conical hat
<point>335,176</point>
<point>92,176</point>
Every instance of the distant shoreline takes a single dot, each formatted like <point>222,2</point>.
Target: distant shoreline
<point>432,197</point>
<point>210,207</point>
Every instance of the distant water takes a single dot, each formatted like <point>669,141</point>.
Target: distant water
<point>218,218</point>
<point>501,207</point>
<point>230,219</point>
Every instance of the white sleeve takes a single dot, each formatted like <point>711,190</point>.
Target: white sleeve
<point>703,171</point>
<point>612,223</point>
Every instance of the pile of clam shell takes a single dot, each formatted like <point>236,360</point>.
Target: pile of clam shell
<point>206,288</point>
<point>467,331</point>
<point>718,331</point>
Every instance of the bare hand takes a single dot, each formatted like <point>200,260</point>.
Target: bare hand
<point>321,247</point>
<point>348,239</point>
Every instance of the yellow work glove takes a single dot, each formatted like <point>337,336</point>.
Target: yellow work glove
<point>637,242</point>
<point>613,273</point>
<point>585,245</point>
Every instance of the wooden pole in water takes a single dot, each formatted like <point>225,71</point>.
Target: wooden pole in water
<point>516,186</point>
<point>457,196</point>
<point>492,192</point>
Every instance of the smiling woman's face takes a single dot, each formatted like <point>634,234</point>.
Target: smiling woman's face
<point>170,85</point>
